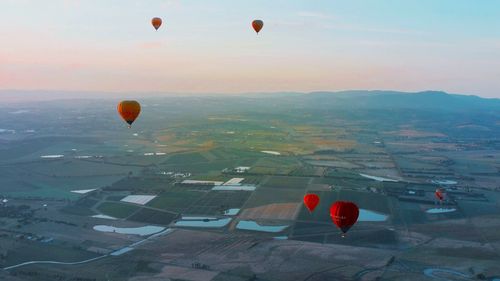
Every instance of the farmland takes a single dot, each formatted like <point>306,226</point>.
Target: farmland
<point>389,167</point>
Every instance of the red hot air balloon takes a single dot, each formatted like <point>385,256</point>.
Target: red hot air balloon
<point>311,201</point>
<point>344,215</point>
<point>156,22</point>
<point>257,25</point>
<point>439,194</point>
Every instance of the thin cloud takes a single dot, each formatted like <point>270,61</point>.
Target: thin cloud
<point>370,29</point>
<point>151,45</point>
<point>287,23</point>
<point>316,15</point>
<point>395,43</point>
<point>339,25</point>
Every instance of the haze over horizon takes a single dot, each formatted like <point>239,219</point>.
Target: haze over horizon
<point>264,140</point>
<point>22,96</point>
<point>81,46</point>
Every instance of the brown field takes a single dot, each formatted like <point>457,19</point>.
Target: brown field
<point>323,157</point>
<point>281,211</point>
<point>421,147</point>
<point>339,145</point>
<point>240,256</point>
<point>207,145</point>
<point>304,129</point>
<point>228,118</point>
<point>415,134</point>
<point>334,164</point>
<point>391,173</point>
<point>182,273</point>
<point>166,137</point>
<point>291,149</point>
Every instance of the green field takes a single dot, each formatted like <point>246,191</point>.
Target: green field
<point>216,202</point>
<point>141,185</point>
<point>278,182</point>
<point>117,210</point>
<point>81,207</point>
<point>39,251</point>
<point>275,166</point>
<point>153,217</point>
<point>176,200</point>
<point>57,178</point>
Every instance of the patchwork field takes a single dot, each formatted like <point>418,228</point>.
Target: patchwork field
<point>282,211</point>
<point>117,210</point>
<point>143,178</point>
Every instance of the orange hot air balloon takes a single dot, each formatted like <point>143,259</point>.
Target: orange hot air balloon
<point>344,215</point>
<point>311,201</point>
<point>257,25</point>
<point>156,22</point>
<point>129,110</point>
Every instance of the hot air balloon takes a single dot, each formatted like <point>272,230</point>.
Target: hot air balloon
<point>156,22</point>
<point>129,110</point>
<point>257,25</point>
<point>439,194</point>
<point>311,201</point>
<point>344,215</point>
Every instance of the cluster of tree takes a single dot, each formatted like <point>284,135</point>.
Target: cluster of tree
<point>16,212</point>
<point>44,276</point>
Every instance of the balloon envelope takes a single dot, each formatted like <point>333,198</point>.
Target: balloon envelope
<point>439,194</point>
<point>311,201</point>
<point>344,214</point>
<point>129,110</point>
<point>257,25</point>
<point>156,22</point>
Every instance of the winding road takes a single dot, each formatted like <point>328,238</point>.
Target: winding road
<point>115,253</point>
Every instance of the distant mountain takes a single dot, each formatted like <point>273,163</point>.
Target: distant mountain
<point>392,99</point>
<point>434,100</point>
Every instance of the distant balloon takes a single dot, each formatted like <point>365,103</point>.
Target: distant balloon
<point>257,25</point>
<point>344,215</point>
<point>156,22</point>
<point>311,201</point>
<point>440,194</point>
<point>129,110</point>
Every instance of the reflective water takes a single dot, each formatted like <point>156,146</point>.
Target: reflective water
<point>142,231</point>
<point>204,222</point>
<point>251,225</point>
<point>367,215</point>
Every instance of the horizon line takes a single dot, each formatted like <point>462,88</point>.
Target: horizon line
<point>158,94</point>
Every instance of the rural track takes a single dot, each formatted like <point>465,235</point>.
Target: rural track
<point>133,245</point>
<point>54,262</point>
<point>323,271</point>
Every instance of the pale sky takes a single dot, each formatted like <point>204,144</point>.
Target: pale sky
<point>209,46</point>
